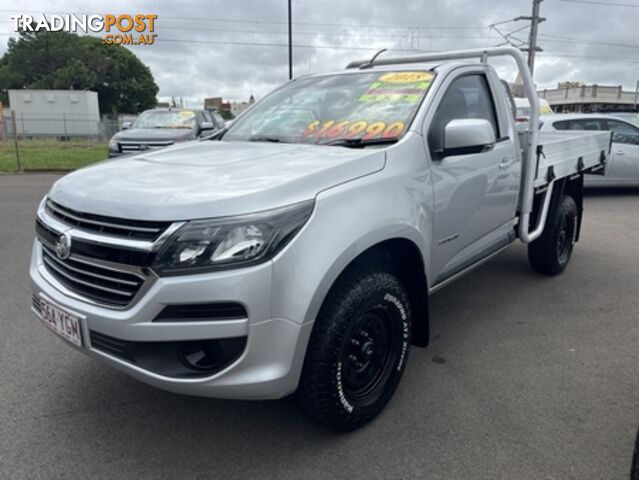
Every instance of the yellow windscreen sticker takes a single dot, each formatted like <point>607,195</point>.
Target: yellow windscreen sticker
<point>406,77</point>
<point>406,87</point>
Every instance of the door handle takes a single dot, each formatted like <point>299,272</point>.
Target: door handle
<point>620,153</point>
<point>505,163</point>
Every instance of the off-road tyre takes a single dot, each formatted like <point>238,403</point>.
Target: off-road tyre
<point>357,351</point>
<point>551,252</point>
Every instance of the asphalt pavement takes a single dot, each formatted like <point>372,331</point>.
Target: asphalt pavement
<point>526,377</point>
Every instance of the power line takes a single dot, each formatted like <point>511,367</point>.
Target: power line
<point>559,38</point>
<point>271,22</point>
<point>340,47</point>
<point>531,45</point>
<point>599,57</point>
<point>269,44</point>
<point>260,44</point>
<point>309,33</point>
<point>607,4</point>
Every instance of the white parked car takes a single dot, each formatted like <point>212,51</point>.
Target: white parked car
<point>631,117</point>
<point>623,167</point>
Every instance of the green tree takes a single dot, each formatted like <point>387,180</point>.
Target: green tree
<point>226,115</point>
<point>61,60</point>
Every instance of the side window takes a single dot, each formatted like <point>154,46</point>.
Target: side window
<point>585,125</point>
<point>623,132</point>
<point>467,97</point>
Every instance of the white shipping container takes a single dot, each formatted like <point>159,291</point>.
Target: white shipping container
<point>55,112</point>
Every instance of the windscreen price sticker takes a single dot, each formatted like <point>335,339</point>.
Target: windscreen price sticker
<point>346,129</point>
<point>408,87</point>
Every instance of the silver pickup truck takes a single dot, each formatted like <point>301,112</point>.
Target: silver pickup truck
<point>296,250</point>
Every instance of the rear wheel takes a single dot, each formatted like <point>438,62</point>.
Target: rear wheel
<point>551,252</point>
<point>357,352</point>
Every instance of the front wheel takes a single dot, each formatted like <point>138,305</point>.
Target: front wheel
<point>551,252</point>
<point>357,352</point>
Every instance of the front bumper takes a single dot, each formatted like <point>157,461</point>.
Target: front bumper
<point>113,154</point>
<point>269,367</point>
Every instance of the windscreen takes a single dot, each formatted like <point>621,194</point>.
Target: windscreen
<point>523,111</point>
<point>328,109</point>
<point>545,110</point>
<point>166,119</point>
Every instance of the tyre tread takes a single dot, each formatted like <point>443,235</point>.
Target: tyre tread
<point>317,392</point>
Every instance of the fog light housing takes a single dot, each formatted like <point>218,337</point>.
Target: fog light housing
<point>203,356</point>
<point>178,359</point>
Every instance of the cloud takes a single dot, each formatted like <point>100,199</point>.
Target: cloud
<point>235,49</point>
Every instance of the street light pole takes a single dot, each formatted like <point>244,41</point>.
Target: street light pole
<point>290,42</point>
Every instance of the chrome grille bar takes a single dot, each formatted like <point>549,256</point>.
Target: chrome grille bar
<point>66,265</point>
<point>74,279</point>
<point>65,213</point>
<point>54,223</point>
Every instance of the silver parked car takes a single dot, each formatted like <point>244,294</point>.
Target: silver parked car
<point>297,249</point>
<point>623,169</point>
<point>163,127</point>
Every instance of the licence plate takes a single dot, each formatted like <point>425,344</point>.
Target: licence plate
<point>61,321</point>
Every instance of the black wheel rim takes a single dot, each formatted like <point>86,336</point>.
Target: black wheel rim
<point>370,353</point>
<point>564,238</point>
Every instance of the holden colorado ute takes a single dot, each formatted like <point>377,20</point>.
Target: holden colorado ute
<point>296,250</point>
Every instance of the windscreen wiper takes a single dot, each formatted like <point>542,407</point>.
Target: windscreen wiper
<point>216,135</point>
<point>265,138</point>
<point>360,142</point>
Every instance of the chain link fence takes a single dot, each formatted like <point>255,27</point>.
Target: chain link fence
<point>52,142</point>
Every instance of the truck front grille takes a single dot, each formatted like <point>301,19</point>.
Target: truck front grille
<point>92,250</point>
<point>118,227</point>
<point>109,259</point>
<point>130,147</point>
<point>102,284</point>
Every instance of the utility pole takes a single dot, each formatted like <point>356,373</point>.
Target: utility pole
<point>535,20</point>
<point>290,42</point>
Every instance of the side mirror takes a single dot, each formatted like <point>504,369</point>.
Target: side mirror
<point>207,126</point>
<point>464,136</point>
<point>126,125</point>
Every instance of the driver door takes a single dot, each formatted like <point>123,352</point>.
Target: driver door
<point>475,192</point>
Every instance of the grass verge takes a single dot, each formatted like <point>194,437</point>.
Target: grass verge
<point>51,154</point>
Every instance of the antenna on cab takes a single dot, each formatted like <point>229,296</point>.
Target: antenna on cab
<point>370,62</point>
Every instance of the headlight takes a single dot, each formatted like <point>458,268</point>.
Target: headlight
<point>113,146</point>
<point>230,242</point>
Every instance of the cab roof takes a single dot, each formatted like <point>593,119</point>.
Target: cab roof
<point>437,67</point>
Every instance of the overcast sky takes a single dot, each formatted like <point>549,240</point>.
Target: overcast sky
<point>238,48</point>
